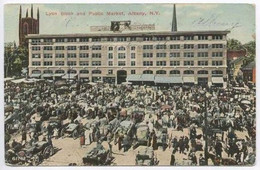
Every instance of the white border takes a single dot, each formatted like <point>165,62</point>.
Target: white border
<point>2,2</point>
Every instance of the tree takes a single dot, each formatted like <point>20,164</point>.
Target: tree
<point>233,44</point>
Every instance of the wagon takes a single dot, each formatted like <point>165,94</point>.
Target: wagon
<point>162,138</point>
<point>142,135</point>
<point>71,130</point>
<point>145,157</point>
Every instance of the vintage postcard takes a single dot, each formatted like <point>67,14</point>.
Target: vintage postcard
<point>129,84</point>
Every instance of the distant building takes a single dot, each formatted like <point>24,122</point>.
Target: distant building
<point>249,72</point>
<point>28,25</point>
<point>235,54</point>
<point>235,60</point>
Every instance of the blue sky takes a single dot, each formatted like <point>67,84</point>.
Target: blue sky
<point>239,18</point>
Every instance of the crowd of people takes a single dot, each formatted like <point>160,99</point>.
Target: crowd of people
<point>212,115</point>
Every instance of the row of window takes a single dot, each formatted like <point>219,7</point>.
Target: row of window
<point>121,39</point>
<point>214,72</point>
<point>185,46</point>
<point>185,63</point>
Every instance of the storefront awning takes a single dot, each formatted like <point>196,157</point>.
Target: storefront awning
<point>35,75</point>
<point>58,74</point>
<point>188,80</point>
<point>217,80</point>
<point>167,80</point>
<point>147,77</point>
<point>69,76</point>
<point>134,77</point>
<point>47,75</point>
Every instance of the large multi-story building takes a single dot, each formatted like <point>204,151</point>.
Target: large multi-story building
<point>192,57</point>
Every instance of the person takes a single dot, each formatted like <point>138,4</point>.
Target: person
<point>172,159</point>
<point>193,159</point>
<point>202,160</point>
<point>154,141</point>
<point>82,139</point>
<point>119,142</point>
<point>218,149</point>
<point>24,137</point>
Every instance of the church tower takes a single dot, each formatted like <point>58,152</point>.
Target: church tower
<point>174,19</point>
<point>28,25</point>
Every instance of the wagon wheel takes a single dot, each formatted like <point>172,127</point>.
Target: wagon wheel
<point>75,134</point>
<point>48,151</point>
<point>36,160</point>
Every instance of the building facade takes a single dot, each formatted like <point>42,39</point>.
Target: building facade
<point>198,57</point>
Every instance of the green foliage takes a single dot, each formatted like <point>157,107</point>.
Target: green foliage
<point>233,44</point>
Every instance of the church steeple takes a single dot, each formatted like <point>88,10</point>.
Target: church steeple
<point>20,13</point>
<point>174,19</point>
<point>38,14</point>
<point>26,13</point>
<point>31,11</point>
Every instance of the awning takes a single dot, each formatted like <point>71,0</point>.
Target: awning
<point>84,75</point>
<point>35,75</point>
<point>147,77</point>
<point>58,74</point>
<point>8,78</point>
<point>133,77</point>
<point>47,75</point>
<point>69,76</point>
<point>188,80</point>
<point>167,80</point>
<point>217,80</point>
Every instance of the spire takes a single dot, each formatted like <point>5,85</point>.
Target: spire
<point>27,13</point>
<point>20,13</point>
<point>38,14</point>
<point>174,19</point>
<point>31,11</point>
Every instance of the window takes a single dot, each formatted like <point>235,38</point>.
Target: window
<point>110,48</point>
<point>83,40</point>
<point>36,63</point>
<point>174,63</point>
<point>132,63</point>
<point>121,48</point>
<point>36,48</point>
<point>147,47</point>
<point>188,72</point>
<point>36,41</point>
<point>217,45</point>
<point>160,47</point>
<point>132,38</point>
<point>59,63</point>
<point>132,55</point>
<point>147,55</point>
<point>132,48</point>
<point>160,38</point>
<point>59,55</point>
<point>148,38</point>
<point>83,55</point>
<point>110,72</point>
<point>121,55</point>
<point>217,72</point>
<point>36,71</point>
<point>161,72</point>
<point>47,55</point>
<point>160,55</point>
<point>203,37</point>
<point>188,63</point>
<point>175,72</point>
<point>175,38</point>
<point>48,48</point>
<point>96,47</point>
<point>84,72</point>
<point>72,39</point>
<point>203,63</point>
<point>47,40</point>
<point>160,63</point>
<point>36,55</point>
<point>217,37</point>
<point>203,54</point>
<point>60,40</point>
<point>121,63</point>
<point>96,63</point>
<point>203,72</point>
<point>48,71</point>
<point>202,46</point>
<point>147,72</point>
<point>59,48</point>
<point>71,63</point>
<point>110,55</point>
<point>188,46</point>
<point>132,71</point>
<point>47,63</point>
<point>72,72</point>
<point>83,63</point>
<point>85,47</point>
<point>121,39</point>
<point>175,54</point>
<point>189,54</point>
<point>110,39</point>
<point>96,72</point>
<point>188,37</point>
<point>96,55</point>
<point>147,63</point>
<point>217,54</point>
<point>175,46</point>
<point>60,71</point>
<point>96,39</point>
<point>217,63</point>
<point>71,47</point>
<point>72,55</point>
<point>110,63</point>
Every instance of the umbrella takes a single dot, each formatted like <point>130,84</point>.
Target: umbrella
<point>245,102</point>
<point>164,107</point>
<point>92,83</point>
<point>127,83</point>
